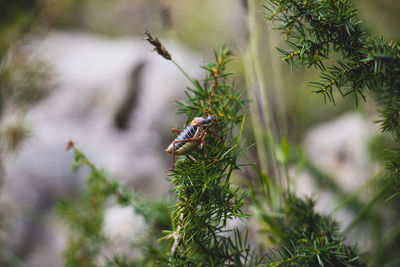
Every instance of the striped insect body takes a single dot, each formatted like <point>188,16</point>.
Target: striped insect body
<point>190,137</point>
<point>182,148</point>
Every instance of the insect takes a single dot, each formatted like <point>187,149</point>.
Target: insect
<point>189,138</point>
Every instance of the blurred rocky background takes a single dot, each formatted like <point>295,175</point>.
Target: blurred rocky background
<point>80,70</point>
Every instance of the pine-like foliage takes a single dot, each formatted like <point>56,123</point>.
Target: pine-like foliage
<point>85,215</point>
<point>310,239</point>
<point>315,29</point>
<point>85,218</point>
<point>206,198</point>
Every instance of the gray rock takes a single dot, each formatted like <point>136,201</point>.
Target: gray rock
<point>338,148</point>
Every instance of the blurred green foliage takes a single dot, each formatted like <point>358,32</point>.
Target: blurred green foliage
<point>16,19</point>
<point>85,218</point>
<point>329,37</point>
<point>311,239</point>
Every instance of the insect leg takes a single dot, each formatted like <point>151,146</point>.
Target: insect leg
<point>213,132</point>
<point>175,131</point>
<point>203,139</point>
<point>173,158</point>
<point>217,135</point>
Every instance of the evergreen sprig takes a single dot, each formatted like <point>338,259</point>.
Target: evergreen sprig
<point>85,215</point>
<point>206,198</point>
<point>364,62</point>
<point>310,239</point>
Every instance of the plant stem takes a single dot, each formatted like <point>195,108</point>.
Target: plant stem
<point>184,72</point>
<point>261,122</point>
